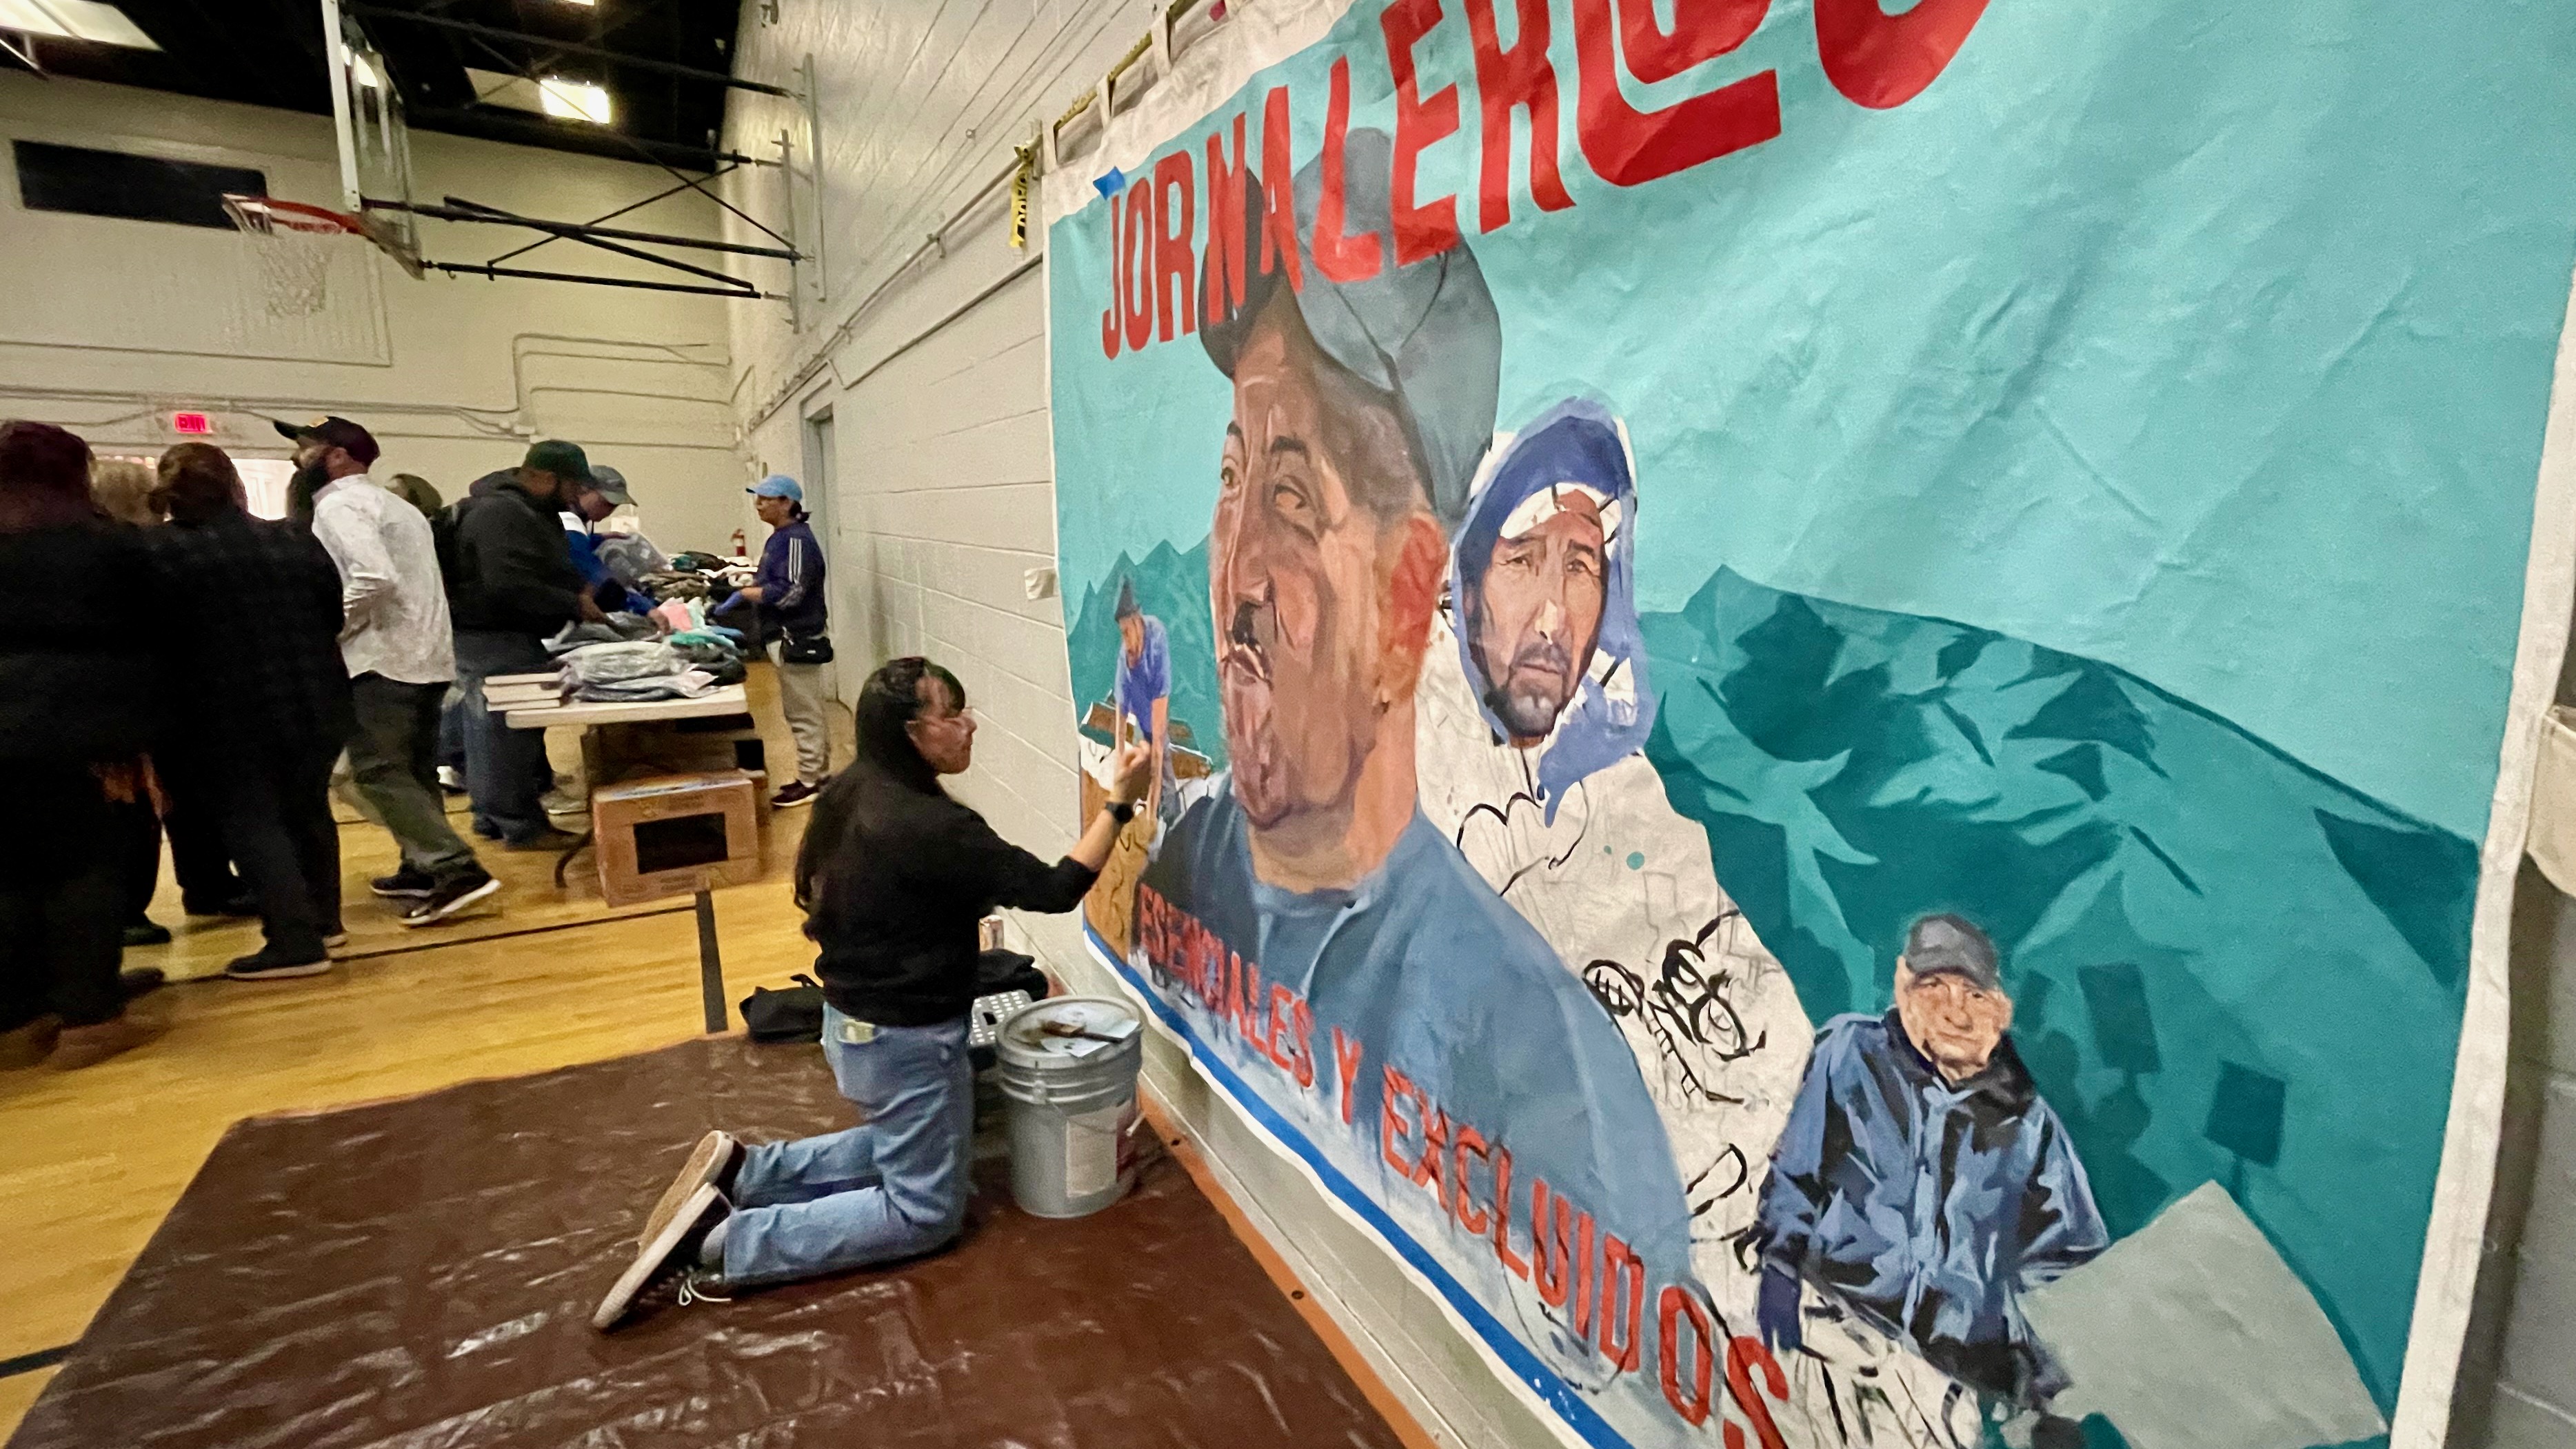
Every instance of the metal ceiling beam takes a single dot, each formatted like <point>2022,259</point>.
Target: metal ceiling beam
<point>569,47</point>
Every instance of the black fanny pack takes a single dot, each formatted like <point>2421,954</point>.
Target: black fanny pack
<point>808,649</point>
<point>795,1014</point>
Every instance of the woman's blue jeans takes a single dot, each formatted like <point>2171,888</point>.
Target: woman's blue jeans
<point>893,1187</point>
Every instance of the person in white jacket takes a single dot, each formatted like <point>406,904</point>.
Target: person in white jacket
<point>401,654</point>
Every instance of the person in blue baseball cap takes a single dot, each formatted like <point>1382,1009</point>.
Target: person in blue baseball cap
<point>795,628</point>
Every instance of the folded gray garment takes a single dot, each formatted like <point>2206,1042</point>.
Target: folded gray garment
<point>629,556</point>
<point>687,684</point>
<point>621,628</point>
<point>614,663</point>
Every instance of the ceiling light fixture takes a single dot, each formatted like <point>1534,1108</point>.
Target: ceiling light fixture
<point>575,100</point>
<point>74,20</point>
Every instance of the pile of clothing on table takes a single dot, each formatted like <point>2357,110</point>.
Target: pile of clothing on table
<point>647,656</point>
<point>665,645</point>
<point>700,576</point>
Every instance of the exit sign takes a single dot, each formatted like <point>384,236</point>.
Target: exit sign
<point>195,425</point>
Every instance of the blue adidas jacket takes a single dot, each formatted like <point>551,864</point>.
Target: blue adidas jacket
<point>791,581</point>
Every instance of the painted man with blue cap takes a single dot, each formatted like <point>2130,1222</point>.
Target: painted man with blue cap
<point>1923,1182</point>
<point>796,628</point>
<point>1361,409</point>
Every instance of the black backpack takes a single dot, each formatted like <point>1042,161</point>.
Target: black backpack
<point>795,1014</point>
<point>444,526</point>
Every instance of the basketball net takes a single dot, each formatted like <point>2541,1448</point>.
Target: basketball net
<point>293,244</point>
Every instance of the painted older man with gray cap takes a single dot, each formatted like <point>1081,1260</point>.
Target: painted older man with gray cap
<point>1361,409</point>
<point>1923,1182</point>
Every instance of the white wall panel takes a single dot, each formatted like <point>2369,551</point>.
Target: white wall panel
<point>110,324</point>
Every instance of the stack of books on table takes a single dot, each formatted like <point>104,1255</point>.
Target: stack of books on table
<point>507,692</point>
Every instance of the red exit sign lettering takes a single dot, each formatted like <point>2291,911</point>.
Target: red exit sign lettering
<point>191,424</point>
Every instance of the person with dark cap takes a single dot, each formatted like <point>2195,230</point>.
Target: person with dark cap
<point>1360,412</point>
<point>78,709</point>
<point>325,448</point>
<point>587,506</point>
<point>510,583</point>
<point>401,655</point>
<point>249,621</point>
<point>1923,1183</point>
<point>796,628</point>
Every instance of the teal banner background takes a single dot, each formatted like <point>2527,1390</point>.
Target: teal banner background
<point>2094,493</point>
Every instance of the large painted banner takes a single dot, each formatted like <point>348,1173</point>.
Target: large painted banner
<point>1831,677</point>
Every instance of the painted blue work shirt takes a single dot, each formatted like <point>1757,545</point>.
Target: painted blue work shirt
<point>1433,975</point>
<point>1929,1207</point>
<point>1146,680</point>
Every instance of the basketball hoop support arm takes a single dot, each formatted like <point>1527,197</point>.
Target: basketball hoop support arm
<point>335,57</point>
<point>341,35</point>
<point>458,209</point>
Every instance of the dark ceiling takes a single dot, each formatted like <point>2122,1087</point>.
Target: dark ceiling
<point>269,53</point>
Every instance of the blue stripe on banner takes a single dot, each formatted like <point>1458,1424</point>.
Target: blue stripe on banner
<point>1578,1414</point>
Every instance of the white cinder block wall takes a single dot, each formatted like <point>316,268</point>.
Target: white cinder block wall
<point>944,503</point>
<point>2518,1375</point>
<point>937,393</point>
<point>107,325</point>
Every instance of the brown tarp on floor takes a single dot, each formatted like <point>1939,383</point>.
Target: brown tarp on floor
<point>421,1274</point>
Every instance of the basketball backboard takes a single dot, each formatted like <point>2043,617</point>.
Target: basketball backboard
<point>375,145</point>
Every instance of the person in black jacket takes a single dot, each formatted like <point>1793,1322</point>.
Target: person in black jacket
<point>77,708</point>
<point>510,583</point>
<point>893,875</point>
<point>248,622</point>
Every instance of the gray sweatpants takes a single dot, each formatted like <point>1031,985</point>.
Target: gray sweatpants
<point>801,690</point>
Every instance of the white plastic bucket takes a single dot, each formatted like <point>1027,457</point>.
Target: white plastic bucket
<point>1069,1068</point>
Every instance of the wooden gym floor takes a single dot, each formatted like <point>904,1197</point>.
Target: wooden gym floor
<point>91,1160</point>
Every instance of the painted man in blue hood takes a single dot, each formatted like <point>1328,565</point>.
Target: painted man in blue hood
<point>1535,710</point>
<point>1546,617</point>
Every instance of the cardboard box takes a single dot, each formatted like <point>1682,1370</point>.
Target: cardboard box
<point>711,745</point>
<point>675,835</point>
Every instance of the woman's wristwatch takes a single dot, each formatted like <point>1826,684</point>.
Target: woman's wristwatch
<point>1121,811</point>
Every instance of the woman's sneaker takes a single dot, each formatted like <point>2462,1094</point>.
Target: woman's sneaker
<point>712,1163</point>
<point>671,1252</point>
<point>794,795</point>
<point>453,896</point>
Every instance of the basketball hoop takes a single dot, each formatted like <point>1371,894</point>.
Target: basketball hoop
<point>293,243</point>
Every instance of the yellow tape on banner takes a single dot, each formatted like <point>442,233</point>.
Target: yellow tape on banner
<point>1020,196</point>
